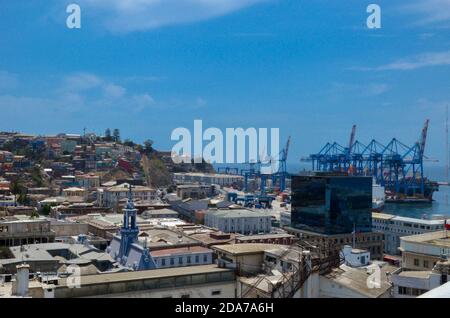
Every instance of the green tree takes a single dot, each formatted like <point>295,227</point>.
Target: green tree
<point>16,189</point>
<point>23,199</point>
<point>129,143</point>
<point>116,134</point>
<point>46,209</point>
<point>108,134</point>
<point>148,146</point>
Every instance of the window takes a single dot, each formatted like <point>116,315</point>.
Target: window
<point>163,262</point>
<point>188,259</point>
<point>425,264</point>
<point>186,296</point>
<point>197,259</point>
<point>180,260</point>
<point>216,292</point>
<point>416,262</point>
<point>172,261</point>
<point>205,258</point>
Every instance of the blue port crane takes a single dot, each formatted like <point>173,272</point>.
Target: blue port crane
<point>281,175</point>
<point>396,166</point>
<point>278,176</point>
<point>253,172</point>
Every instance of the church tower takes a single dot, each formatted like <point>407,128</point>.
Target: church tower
<point>129,231</point>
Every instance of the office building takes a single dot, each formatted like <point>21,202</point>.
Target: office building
<point>332,204</point>
<point>394,227</point>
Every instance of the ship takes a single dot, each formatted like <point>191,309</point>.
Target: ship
<point>378,197</point>
<point>413,194</point>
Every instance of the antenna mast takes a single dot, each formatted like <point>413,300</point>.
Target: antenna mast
<point>446,146</point>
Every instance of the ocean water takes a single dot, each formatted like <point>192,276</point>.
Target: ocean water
<point>439,206</point>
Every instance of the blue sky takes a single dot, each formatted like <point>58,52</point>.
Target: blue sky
<point>311,68</point>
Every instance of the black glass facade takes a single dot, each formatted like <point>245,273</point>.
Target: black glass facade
<point>332,204</point>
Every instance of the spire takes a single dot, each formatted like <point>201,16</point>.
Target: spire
<point>130,204</point>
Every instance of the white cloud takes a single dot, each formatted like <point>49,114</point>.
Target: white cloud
<point>82,82</point>
<point>412,63</point>
<point>360,90</point>
<point>142,101</point>
<point>137,15</point>
<point>419,61</point>
<point>376,89</point>
<point>431,11</point>
<point>113,90</point>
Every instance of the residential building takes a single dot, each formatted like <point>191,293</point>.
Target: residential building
<point>371,241</point>
<point>160,214</point>
<point>67,209</point>
<point>75,192</point>
<point>195,191</point>
<point>88,181</point>
<point>442,291</point>
<point>422,252</point>
<point>182,256</point>
<point>394,227</point>
<point>111,196</point>
<point>411,284</point>
<point>271,238</point>
<point>355,257</point>
<point>7,200</point>
<point>285,218</point>
<point>22,229</point>
<point>55,257</point>
<point>224,180</point>
<point>205,281</point>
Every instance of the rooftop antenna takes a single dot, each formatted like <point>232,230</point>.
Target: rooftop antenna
<point>354,235</point>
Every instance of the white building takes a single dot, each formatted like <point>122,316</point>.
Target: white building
<point>204,281</point>
<point>7,200</point>
<point>422,252</point>
<point>394,227</point>
<point>242,221</point>
<point>285,218</point>
<point>88,181</point>
<point>442,291</point>
<point>411,284</point>
<point>355,257</point>
<point>223,180</point>
<point>110,197</point>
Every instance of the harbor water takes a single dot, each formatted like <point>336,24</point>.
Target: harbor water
<point>439,206</point>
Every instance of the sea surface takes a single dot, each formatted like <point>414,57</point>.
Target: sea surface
<point>439,206</point>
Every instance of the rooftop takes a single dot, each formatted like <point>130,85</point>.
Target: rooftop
<point>265,236</point>
<point>21,219</point>
<point>238,213</point>
<point>180,250</point>
<point>385,216</point>
<point>124,187</point>
<point>149,274</point>
<point>356,279</point>
<point>245,248</point>
<point>438,238</point>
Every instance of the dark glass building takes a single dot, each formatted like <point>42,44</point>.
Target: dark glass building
<point>331,204</point>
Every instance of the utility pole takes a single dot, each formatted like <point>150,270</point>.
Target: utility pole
<point>446,154</point>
